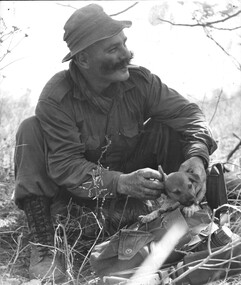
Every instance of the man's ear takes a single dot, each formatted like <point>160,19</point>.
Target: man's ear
<point>82,59</point>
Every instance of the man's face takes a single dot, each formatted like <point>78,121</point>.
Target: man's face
<point>109,58</point>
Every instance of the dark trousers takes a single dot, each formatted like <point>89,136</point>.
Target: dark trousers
<point>158,145</point>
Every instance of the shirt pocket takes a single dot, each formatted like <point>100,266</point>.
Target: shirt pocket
<point>87,137</point>
<point>130,134</point>
<point>130,130</point>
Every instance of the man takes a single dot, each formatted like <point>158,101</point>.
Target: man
<point>100,131</point>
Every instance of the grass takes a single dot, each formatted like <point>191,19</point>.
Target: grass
<point>15,250</point>
<point>14,246</point>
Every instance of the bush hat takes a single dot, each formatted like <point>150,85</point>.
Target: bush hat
<point>88,25</point>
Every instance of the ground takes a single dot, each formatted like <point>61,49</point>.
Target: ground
<point>15,250</point>
<point>14,246</point>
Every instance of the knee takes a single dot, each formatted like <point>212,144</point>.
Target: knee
<point>28,130</point>
<point>28,123</point>
<point>28,127</point>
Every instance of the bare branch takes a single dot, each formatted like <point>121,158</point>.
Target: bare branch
<point>236,62</point>
<point>4,37</point>
<point>10,50</point>
<point>236,136</point>
<point>238,145</point>
<point>11,63</point>
<point>125,9</point>
<point>204,24</point>
<point>67,5</point>
<point>224,19</point>
<point>179,24</point>
<point>4,55</point>
<point>210,24</point>
<point>70,6</point>
<point>225,29</point>
<point>216,107</point>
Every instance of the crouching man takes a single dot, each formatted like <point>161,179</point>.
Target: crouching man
<point>100,130</point>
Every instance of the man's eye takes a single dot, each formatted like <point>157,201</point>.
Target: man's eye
<point>113,50</point>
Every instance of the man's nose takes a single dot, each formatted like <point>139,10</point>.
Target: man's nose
<point>125,52</point>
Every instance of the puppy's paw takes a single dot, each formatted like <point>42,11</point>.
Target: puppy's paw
<point>189,211</point>
<point>148,218</point>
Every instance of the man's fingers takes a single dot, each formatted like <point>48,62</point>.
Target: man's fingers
<point>149,173</point>
<point>150,194</point>
<point>153,184</point>
<point>201,194</point>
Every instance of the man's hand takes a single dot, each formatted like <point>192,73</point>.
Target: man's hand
<point>195,165</point>
<point>142,184</point>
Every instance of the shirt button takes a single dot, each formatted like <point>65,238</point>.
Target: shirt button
<point>128,251</point>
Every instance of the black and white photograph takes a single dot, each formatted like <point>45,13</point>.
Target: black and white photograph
<point>120,142</point>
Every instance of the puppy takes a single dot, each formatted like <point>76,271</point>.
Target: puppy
<point>179,190</point>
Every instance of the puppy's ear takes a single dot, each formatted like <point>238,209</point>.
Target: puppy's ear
<point>193,177</point>
<point>162,173</point>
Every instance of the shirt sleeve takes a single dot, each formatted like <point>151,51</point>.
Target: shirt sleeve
<point>66,163</point>
<point>171,108</point>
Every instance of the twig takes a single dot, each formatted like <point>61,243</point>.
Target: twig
<point>233,190</point>
<point>216,107</point>
<point>237,64</point>
<point>202,263</point>
<point>236,136</point>
<point>9,50</point>
<point>125,9</point>
<point>205,24</point>
<point>225,29</point>
<point>235,148</point>
<point>68,251</point>
<point>18,250</point>
<point>66,5</point>
<point>11,63</point>
<point>210,24</point>
<point>105,148</point>
<point>90,250</point>
<point>225,19</point>
<point>70,6</point>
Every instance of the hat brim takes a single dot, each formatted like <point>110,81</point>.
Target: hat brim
<point>123,25</point>
<point>67,57</point>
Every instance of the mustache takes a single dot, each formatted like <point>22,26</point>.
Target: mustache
<point>110,66</point>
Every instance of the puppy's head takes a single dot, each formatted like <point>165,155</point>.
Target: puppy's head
<point>180,187</point>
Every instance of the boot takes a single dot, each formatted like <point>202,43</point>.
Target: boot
<point>45,261</point>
